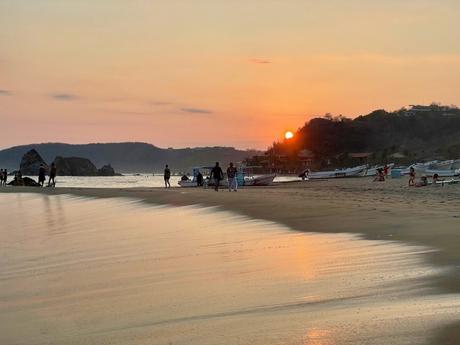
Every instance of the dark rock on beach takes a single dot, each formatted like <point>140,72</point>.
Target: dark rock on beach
<point>75,166</point>
<point>30,163</point>
<point>25,181</point>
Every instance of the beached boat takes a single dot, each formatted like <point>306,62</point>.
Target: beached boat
<point>261,180</point>
<point>339,173</point>
<point>442,173</point>
<point>443,165</point>
<point>420,168</point>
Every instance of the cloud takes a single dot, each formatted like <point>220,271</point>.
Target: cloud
<point>260,61</point>
<point>5,93</point>
<point>64,96</point>
<point>196,110</point>
<point>160,103</point>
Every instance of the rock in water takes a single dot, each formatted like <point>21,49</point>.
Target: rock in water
<point>30,163</point>
<point>106,170</point>
<point>75,166</point>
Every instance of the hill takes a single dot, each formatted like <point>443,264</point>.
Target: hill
<point>414,134</point>
<point>128,157</point>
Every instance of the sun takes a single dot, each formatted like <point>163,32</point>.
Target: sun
<point>288,135</point>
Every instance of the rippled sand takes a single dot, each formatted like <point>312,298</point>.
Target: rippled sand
<point>96,271</point>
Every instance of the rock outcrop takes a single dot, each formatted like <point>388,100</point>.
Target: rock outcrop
<point>75,166</point>
<point>30,163</point>
<point>106,170</point>
<point>24,181</point>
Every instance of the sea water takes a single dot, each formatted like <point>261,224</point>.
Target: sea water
<point>117,271</point>
<point>129,181</point>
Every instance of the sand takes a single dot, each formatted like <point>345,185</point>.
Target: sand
<point>428,216</point>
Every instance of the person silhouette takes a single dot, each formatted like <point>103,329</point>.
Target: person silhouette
<point>167,176</point>
<point>217,175</point>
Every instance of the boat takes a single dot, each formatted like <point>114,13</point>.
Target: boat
<point>261,180</point>
<point>443,165</point>
<point>442,173</point>
<point>192,182</point>
<point>420,168</point>
<point>339,173</point>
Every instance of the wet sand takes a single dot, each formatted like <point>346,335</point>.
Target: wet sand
<point>427,216</point>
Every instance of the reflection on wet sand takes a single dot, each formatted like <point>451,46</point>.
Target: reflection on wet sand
<point>80,271</point>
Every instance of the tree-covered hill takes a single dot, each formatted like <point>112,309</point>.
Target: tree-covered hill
<point>418,133</point>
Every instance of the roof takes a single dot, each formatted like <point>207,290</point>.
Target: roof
<point>397,155</point>
<point>360,154</point>
<point>305,154</point>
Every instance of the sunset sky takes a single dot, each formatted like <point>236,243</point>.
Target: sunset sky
<point>213,72</point>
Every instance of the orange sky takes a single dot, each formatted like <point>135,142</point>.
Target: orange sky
<point>210,72</point>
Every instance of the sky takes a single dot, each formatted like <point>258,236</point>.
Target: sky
<point>213,72</point>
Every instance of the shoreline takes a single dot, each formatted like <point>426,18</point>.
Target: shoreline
<point>388,211</point>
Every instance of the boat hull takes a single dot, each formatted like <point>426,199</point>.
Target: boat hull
<point>343,173</point>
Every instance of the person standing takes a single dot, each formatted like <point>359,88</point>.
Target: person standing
<point>41,175</point>
<point>52,175</point>
<point>5,176</point>
<point>167,176</point>
<point>231,175</point>
<point>199,179</point>
<point>1,177</point>
<point>411,177</point>
<point>217,175</point>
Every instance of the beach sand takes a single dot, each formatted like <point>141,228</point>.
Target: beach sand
<point>428,216</point>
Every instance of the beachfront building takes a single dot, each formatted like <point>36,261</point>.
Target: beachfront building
<point>360,158</point>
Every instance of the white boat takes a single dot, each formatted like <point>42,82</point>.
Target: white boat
<point>442,173</point>
<point>261,180</point>
<point>419,168</point>
<point>339,173</point>
<point>444,165</point>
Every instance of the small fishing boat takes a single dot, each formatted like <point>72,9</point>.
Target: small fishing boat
<point>442,173</point>
<point>261,180</point>
<point>339,173</point>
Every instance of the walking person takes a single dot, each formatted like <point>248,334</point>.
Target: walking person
<point>52,176</point>
<point>41,175</point>
<point>1,177</point>
<point>411,177</point>
<point>5,176</point>
<point>232,180</point>
<point>217,175</point>
<point>167,176</point>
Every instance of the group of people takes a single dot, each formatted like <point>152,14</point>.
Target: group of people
<point>42,175</point>
<point>423,179</point>
<point>19,181</point>
<point>382,173</point>
<point>3,177</point>
<point>216,176</point>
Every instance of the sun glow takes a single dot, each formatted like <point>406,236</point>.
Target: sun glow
<point>288,135</point>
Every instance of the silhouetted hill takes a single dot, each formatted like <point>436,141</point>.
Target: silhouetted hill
<point>128,157</point>
<point>418,133</point>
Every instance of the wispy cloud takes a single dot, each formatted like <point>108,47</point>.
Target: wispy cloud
<point>160,103</point>
<point>5,93</point>
<point>196,110</point>
<point>64,97</point>
<point>260,61</point>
